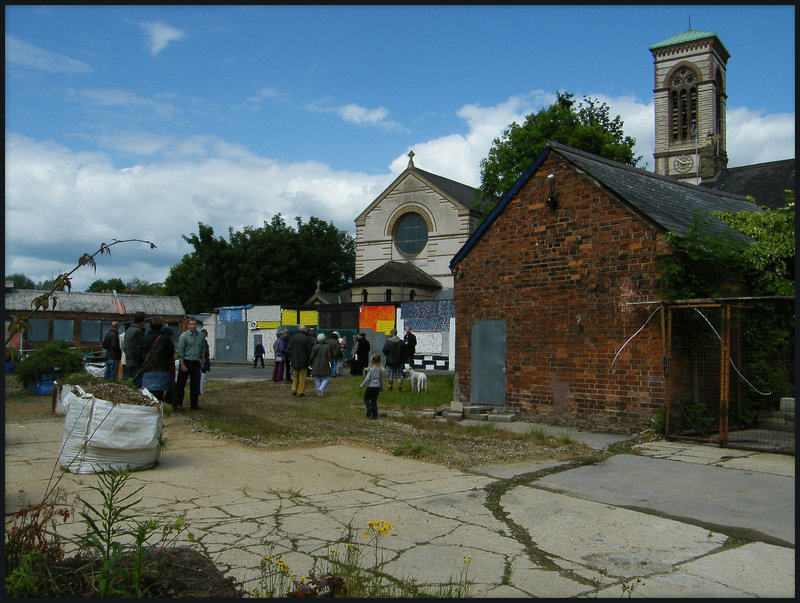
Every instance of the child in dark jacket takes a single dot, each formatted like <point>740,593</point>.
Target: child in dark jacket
<point>374,383</point>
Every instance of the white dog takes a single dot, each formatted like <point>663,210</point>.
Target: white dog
<point>419,381</point>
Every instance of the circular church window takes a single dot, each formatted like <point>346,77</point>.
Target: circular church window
<point>411,234</point>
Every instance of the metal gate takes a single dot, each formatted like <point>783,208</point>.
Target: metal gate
<point>488,363</point>
<point>230,339</point>
<point>730,372</point>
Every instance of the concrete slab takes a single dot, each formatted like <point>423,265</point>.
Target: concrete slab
<point>749,504</point>
<point>582,532</point>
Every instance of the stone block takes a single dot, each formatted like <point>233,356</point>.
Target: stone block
<point>503,417</point>
<point>449,414</point>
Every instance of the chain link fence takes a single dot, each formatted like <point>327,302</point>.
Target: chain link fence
<point>730,367</point>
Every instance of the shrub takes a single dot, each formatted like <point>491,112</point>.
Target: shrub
<point>54,357</point>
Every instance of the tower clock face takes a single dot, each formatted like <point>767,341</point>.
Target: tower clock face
<point>684,163</point>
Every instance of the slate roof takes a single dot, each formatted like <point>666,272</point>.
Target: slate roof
<point>99,303</point>
<point>666,203</point>
<point>397,273</point>
<point>463,193</point>
<point>766,182</point>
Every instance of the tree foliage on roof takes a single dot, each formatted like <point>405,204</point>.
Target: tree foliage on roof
<point>771,257</point>
<point>586,125</point>
<point>270,264</point>
<point>703,266</point>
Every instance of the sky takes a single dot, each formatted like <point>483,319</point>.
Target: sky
<point>140,122</point>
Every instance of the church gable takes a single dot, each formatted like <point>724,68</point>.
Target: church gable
<point>421,218</point>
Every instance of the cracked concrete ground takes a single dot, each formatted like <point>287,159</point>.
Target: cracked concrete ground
<point>688,520</point>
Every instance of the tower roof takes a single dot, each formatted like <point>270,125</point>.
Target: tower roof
<point>690,35</point>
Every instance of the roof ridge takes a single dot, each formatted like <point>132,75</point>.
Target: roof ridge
<point>637,170</point>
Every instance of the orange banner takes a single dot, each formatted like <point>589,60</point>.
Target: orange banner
<point>379,319</point>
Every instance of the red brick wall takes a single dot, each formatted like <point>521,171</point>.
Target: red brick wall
<point>539,270</point>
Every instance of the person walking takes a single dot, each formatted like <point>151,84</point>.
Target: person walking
<point>299,352</point>
<point>395,351</point>
<point>259,355</point>
<point>410,341</point>
<point>336,354</point>
<point>133,335</point>
<point>206,363</point>
<point>191,355</point>
<point>113,352</point>
<point>321,359</point>
<point>374,383</point>
<point>157,362</point>
<point>279,349</point>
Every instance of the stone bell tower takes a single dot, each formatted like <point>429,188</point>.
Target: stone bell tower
<point>690,105</point>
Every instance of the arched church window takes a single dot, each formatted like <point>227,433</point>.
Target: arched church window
<point>683,104</point>
<point>411,233</point>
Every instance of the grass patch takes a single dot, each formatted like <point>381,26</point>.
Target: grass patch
<point>265,414</point>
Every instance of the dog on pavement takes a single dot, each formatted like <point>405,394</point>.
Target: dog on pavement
<point>419,381</point>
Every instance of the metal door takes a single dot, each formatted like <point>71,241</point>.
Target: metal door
<point>488,363</point>
<point>230,339</point>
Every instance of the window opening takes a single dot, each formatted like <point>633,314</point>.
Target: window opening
<point>411,233</point>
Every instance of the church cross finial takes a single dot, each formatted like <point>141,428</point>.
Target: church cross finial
<point>411,159</point>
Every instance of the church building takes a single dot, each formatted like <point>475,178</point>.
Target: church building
<point>407,236</point>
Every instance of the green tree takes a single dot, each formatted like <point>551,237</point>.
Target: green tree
<point>771,258</point>
<point>586,125</point>
<point>273,263</point>
<point>135,285</point>
<point>112,284</point>
<point>20,281</point>
<point>142,287</point>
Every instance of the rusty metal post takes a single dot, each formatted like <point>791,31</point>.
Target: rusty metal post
<point>667,347</point>
<point>724,374</point>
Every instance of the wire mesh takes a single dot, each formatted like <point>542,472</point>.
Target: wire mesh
<point>731,373</point>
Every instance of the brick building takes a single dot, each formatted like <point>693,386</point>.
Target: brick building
<point>550,286</point>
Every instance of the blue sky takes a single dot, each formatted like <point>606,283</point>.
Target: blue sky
<point>141,121</point>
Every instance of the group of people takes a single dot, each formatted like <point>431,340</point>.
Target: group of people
<point>306,351</point>
<point>150,359</point>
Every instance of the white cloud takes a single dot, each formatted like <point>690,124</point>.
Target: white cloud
<point>138,143</point>
<point>266,94</point>
<point>80,199</point>
<point>23,54</point>
<point>355,114</point>
<point>757,138</point>
<point>159,35</point>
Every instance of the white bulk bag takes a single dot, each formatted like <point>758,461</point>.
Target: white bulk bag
<point>99,435</point>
